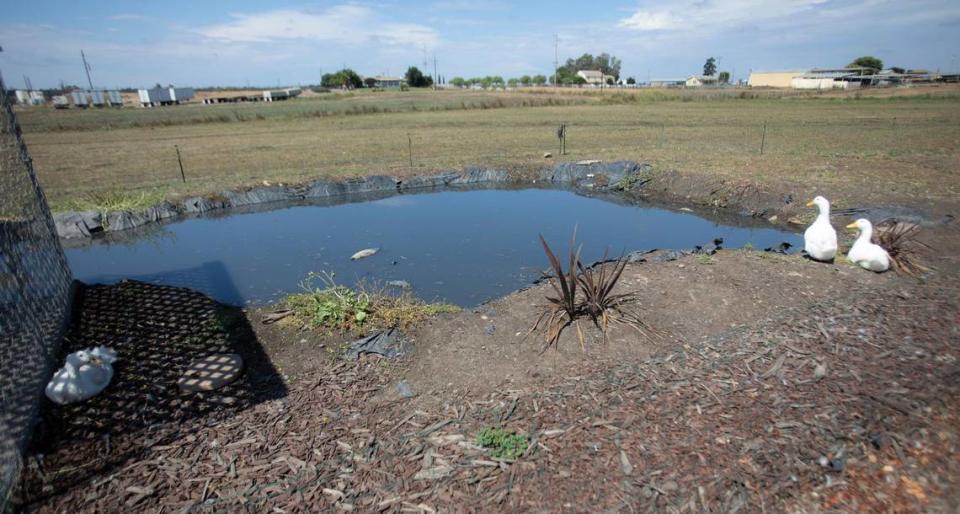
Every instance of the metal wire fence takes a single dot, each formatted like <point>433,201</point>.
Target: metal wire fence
<point>35,291</point>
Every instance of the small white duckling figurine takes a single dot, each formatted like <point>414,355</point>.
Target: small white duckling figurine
<point>820,239</point>
<point>85,374</point>
<point>864,252</point>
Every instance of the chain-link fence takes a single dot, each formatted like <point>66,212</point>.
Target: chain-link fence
<point>35,289</point>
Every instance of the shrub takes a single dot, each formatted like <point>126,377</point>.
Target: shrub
<point>502,444</point>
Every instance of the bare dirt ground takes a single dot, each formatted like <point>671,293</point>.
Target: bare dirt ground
<point>779,385</point>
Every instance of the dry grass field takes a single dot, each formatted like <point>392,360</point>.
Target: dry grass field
<point>898,146</point>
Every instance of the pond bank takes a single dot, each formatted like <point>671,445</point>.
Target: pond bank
<point>632,179</point>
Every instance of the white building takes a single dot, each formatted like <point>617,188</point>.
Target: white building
<point>596,77</point>
<point>701,80</point>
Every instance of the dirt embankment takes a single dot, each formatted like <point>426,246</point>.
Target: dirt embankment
<point>779,384</point>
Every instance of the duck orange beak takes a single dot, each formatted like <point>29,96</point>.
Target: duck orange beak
<point>852,225</point>
<point>810,203</point>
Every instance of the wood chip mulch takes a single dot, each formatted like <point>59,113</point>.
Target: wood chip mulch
<point>847,406</point>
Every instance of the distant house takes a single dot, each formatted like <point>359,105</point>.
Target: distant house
<point>781,79</point>
<point>668,82</point>
<point>701,80</point>
<point>595,77</point>
<point>389,82</point>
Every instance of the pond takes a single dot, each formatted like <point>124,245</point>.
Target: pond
<point>463,247</point>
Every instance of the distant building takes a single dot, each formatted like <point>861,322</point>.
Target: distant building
<point>164,96</point>
<point>26,97</point>
<point>832,78</point>
<point>389,82</point>
<point>595,77</point>
<point>781,79</point>
<point>281,94</point>
<point>668,82</point>
<point>700,81</point>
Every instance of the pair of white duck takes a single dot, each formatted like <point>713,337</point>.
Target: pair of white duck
<point>820,240</point>
<point>85,374</point>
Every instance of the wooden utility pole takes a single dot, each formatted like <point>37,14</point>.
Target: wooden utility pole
<point>86,68</point>
<point>556,59</point>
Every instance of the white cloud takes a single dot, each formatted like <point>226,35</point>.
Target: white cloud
<point>716,15</point>
<point>340,24</point>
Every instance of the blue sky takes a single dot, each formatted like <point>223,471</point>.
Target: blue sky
<point>201,43</point>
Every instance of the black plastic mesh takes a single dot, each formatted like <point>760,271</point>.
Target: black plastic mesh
<point>35,289</point>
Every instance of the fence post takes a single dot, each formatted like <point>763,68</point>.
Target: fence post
<point>410,149</point>
<point>763,138</point>
<point>180,162</point>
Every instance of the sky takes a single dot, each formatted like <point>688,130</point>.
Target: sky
<point>246,43</point>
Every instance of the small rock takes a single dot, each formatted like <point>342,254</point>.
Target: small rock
<point>547,155</point>
<point>404,389</point>
<point>625,465</point>
<point>402,284</point>
<point>820,371</point>
<point>686,209</point>
<point>838,463</point>
<point>773,219</point>
<point>669,486</point>
<point>490,329</point>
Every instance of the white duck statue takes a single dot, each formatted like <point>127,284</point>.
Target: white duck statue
<point>865,252</point>
<point>820,239</point>
<point>85,374</point>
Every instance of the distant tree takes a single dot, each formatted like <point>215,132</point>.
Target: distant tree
<point>605,63</point>
<point>538,80</point>
<point>631,81</point>
<point>724,77</point>
<point>513,82</point>
<point>710,67</point>
<point>458,82</point>
<point>897,69</point>
<point>609,81</point>
<point>345,78</point>
<point>525,80</point>
<point>497,81</point>
<point>416,78</point>
<point>872,64</point>
<point>370,82</point>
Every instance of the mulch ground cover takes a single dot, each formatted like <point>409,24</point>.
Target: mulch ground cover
<point>848,405</point>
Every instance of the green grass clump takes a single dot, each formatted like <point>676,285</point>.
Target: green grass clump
<point>108,201</point>
<point>705,259</point>
<point>328,305</point>
<point>502,444</point>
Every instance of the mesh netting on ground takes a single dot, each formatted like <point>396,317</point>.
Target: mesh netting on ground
<point>35,288</point>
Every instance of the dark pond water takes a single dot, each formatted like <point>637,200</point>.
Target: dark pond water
<point>463,247</point>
